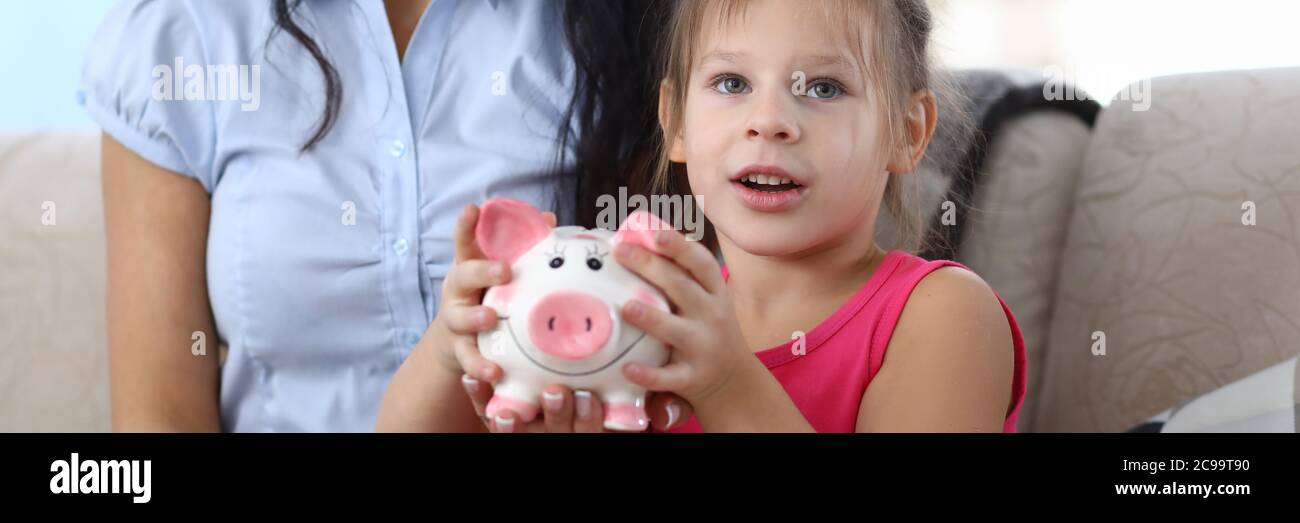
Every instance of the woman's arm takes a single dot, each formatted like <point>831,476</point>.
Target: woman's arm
<point>157,228</point>
<point>949,364</point>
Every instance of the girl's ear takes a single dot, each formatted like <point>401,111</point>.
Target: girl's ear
<point>676,151</point>
<point>918,128</point>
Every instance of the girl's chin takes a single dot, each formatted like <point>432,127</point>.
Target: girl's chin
<point>766,241</point>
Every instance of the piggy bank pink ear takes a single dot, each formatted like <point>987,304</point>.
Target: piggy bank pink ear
<point>639,229</point>
<point>508,228</point>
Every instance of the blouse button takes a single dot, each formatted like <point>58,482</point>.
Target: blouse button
<point>397,149</point>
<point>400,246</point>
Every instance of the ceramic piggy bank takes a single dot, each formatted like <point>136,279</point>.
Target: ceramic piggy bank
<point>559,317</point>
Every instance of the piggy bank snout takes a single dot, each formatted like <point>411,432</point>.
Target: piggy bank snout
<point>570,325</point>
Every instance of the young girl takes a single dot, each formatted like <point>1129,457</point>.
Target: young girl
<point>796,123</point>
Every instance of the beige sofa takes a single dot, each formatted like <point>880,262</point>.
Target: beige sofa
<point>1133,230</point>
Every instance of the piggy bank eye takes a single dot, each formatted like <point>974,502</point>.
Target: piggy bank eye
<point>556,262</point>
<point>593,263</point>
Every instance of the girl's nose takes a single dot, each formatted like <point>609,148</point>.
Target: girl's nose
<point>773,119</point>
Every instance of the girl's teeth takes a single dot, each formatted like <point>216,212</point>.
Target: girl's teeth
<point>763,179</point>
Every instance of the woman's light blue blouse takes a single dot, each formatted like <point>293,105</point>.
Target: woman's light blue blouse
<point>325,268</point>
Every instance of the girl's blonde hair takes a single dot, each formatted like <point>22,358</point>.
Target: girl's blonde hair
<point>898,65</point>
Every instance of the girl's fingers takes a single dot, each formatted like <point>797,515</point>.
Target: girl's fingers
<point>681,288</point>
<point>660,325</point>
<point>673,376</point>
<point>473,363</point>
<point>468,278</point>
<point>468,321</point>
<point>692,256</point>
<point>557,409</point>
<point>588,414</point>
<point>668,410</point>
<point>463,235</point>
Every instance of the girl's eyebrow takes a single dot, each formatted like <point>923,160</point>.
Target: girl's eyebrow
<point>721,56</point>
<point>838,61</point>
<point>828,59</point>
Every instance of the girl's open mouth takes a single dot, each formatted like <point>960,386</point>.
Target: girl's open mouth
<point>765,183</point>
<point>766,193</point>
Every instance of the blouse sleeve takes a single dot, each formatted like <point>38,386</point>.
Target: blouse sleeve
<point>131,87</point>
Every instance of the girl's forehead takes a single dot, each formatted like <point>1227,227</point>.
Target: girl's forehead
<point>807,32</point>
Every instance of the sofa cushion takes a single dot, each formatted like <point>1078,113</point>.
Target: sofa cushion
<point>1016,227</point>
<point>1162,267</point>
<point>1267,401</point>
<point>53,362</point>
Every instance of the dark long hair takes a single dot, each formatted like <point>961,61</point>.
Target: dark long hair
<point>614,47</point>
<point>283,10</point>
<point>613,43</point>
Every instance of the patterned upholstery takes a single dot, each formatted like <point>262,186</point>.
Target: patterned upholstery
<point>1158,259</point>
<point>1017,227</point>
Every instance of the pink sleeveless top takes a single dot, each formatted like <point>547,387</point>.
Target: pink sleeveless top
<point>844,352</point>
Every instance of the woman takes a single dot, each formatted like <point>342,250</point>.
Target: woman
<point>309,232</point>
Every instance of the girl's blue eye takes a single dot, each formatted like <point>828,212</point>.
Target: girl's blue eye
<point>730,85</point>
<point>823,90</point>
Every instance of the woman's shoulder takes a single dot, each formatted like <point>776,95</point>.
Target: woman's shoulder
<point>163,23</point>
<point>147,54</point>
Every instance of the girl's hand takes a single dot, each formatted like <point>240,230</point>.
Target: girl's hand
<point>461,313</point>
<point>709,353</point>
<point>423,394</point>
<point>564,410</point>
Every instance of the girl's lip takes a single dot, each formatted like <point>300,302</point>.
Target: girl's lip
<point>768,201</point>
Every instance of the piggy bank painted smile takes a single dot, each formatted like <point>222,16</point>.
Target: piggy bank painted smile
<point>558,316</point>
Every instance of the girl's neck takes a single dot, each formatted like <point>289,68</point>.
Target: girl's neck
<point>777,295</point>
